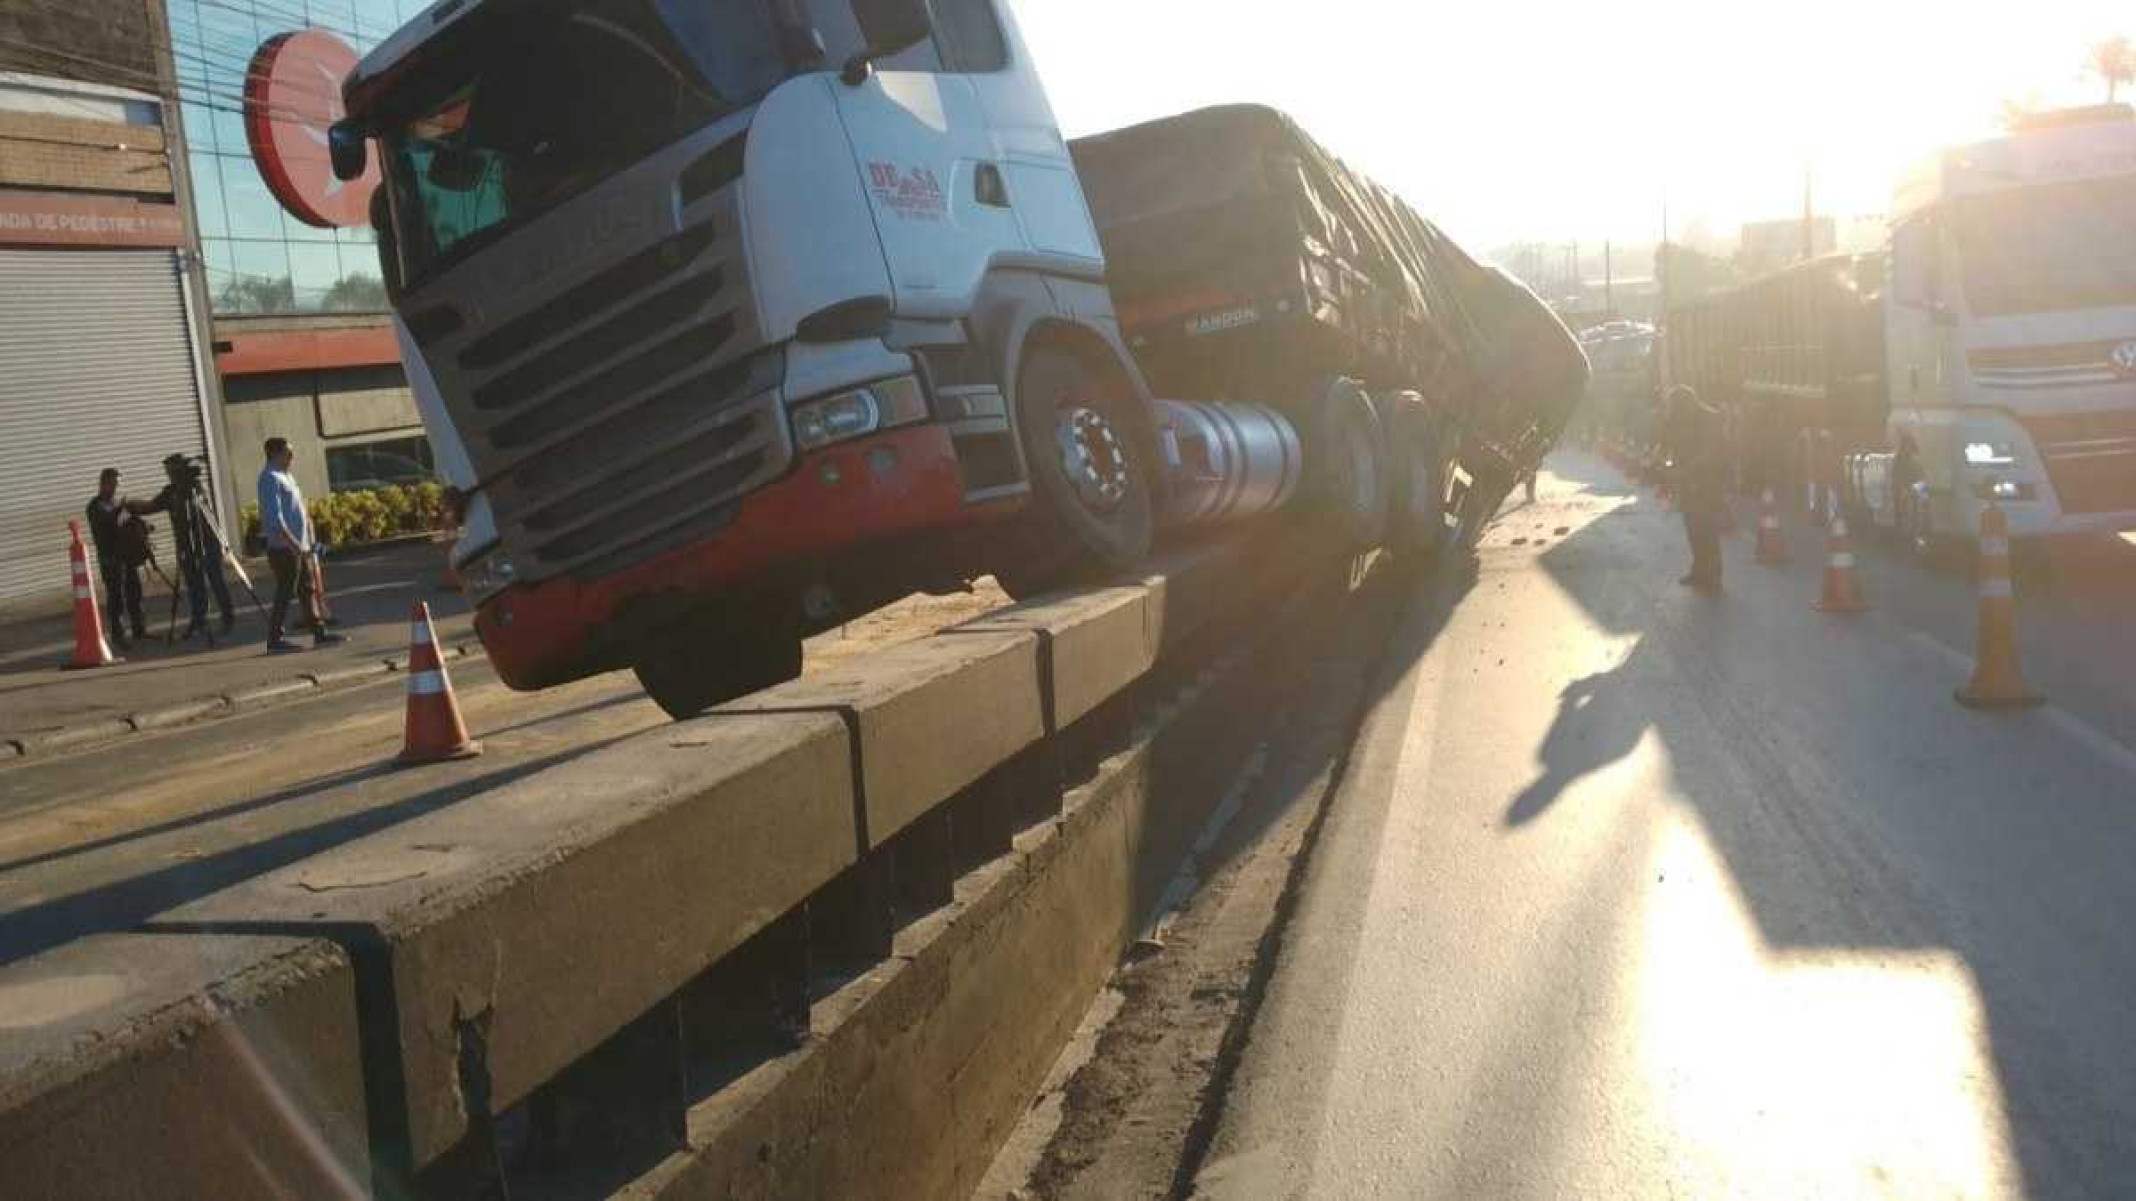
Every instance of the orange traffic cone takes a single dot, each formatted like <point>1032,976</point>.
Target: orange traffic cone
<point>1996,682</point>
<point>1841,594</point>
<point>436,731</point>
<point>90,649</point>
<point>1772,544</point>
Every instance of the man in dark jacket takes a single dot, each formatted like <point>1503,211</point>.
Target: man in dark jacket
<point>1697,449</point>
<point>117,556</point>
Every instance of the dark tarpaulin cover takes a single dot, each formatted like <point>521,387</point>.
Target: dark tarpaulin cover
<point>1237,199</point>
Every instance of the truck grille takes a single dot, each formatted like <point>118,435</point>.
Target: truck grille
<point>2062,365</point>
<point>2090,457</point>
<point>628,413</point>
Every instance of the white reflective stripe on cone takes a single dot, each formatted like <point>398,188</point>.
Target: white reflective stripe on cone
<point>1843,559</point>
<point>1995,588</point>
<point>1994,547</point>
<point>426,683</point>
<point>81,592</point>
<point>419,633</point>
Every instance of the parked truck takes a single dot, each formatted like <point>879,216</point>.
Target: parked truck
<point>731,319</point>
<point>1986,355</point>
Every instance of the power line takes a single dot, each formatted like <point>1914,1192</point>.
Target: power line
<point>154,82</point>
<point>208,65</point>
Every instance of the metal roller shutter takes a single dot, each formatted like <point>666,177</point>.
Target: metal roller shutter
<point>96,370</point>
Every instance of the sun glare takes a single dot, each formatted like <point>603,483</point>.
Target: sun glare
<point>1513,121</point>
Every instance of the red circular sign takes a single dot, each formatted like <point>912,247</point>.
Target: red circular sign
<point>292,96</point>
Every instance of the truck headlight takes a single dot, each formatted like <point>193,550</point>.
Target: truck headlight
<point>487,576</point>
<point>883,405</point>
<point>1987,452</point>
<point>2003,490</point>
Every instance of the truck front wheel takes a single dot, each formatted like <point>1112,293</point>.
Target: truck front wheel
<point>704,663</point>
<point>1086,445</point>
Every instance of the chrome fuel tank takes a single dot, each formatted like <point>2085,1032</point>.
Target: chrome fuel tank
<point>1224,462</point>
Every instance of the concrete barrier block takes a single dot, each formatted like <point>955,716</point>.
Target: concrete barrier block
<point>1095,643</point>
<point>964,1022</point>
<point>930,716</point>
<point>262,694</point>
<point>1196,584</point>
<point>182,1066</point>
<point>80,734</point>
<point>177,714</point>
<point>522,926</point>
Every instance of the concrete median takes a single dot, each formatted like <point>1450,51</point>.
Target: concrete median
<point>928,717</point>
<point>915,1072</point>
<point>490,951</point>
<point>1092,644</point>
<point>182,1067</point>
<point>505,936</point>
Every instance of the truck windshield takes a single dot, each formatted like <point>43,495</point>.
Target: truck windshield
<point>2042,249</point>
<point>532,110</point>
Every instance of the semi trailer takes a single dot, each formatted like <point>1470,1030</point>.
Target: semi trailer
<point>1986,355</point>
<point>730,320</point>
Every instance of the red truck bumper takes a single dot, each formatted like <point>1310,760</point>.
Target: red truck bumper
<point>874,488</point>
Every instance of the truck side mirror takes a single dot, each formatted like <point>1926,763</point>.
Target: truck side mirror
<point>886,27</point>
<point>348,148</point>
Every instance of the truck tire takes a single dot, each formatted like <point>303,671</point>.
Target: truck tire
<point>1087,443</point>
<point>1418,525</point>
<point>717,659</point>
<point>1347,464</point>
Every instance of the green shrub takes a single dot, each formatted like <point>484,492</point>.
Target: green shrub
<point>374,513</point>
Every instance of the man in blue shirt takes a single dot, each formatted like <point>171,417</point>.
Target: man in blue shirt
<point>289,548</point>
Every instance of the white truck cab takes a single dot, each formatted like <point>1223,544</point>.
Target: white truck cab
<point>2010,329</point>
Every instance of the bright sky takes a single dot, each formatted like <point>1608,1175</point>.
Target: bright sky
<point>1510,121</point>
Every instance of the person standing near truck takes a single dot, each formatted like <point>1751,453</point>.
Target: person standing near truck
<point>1698,453</point>
<point>287,530</point>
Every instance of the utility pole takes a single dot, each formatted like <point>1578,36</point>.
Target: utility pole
<point>1809,218</point>
<point>1661,256</point>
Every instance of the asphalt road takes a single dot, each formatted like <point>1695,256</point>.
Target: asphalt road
<point>105,839</point>
<point>1633,893</point>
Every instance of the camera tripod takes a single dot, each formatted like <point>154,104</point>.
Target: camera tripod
<point>205,530</point>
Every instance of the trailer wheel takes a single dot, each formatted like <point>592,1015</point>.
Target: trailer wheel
<point>717,658</point>
<point>1419,511</point>
<point>1086,442</point>
<point>1348,464</point>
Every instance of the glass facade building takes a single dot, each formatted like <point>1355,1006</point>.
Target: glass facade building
<point>259,259</point>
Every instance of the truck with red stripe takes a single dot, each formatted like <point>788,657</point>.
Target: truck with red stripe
<point>731,320</point>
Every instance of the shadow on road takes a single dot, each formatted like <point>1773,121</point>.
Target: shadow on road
<point>1598,722</point>
<point>1852,819</point>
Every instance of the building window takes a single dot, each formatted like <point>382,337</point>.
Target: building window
<point>378,464</point>
<point>258,258</point>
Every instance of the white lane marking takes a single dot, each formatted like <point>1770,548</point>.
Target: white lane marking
<point>2112,749</point>
<point>2106,745</point>
<point>388,586</point>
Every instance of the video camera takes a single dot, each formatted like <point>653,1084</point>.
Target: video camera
<point>186,472</point>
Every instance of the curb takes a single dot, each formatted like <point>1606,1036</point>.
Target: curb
<point>250,699</point>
